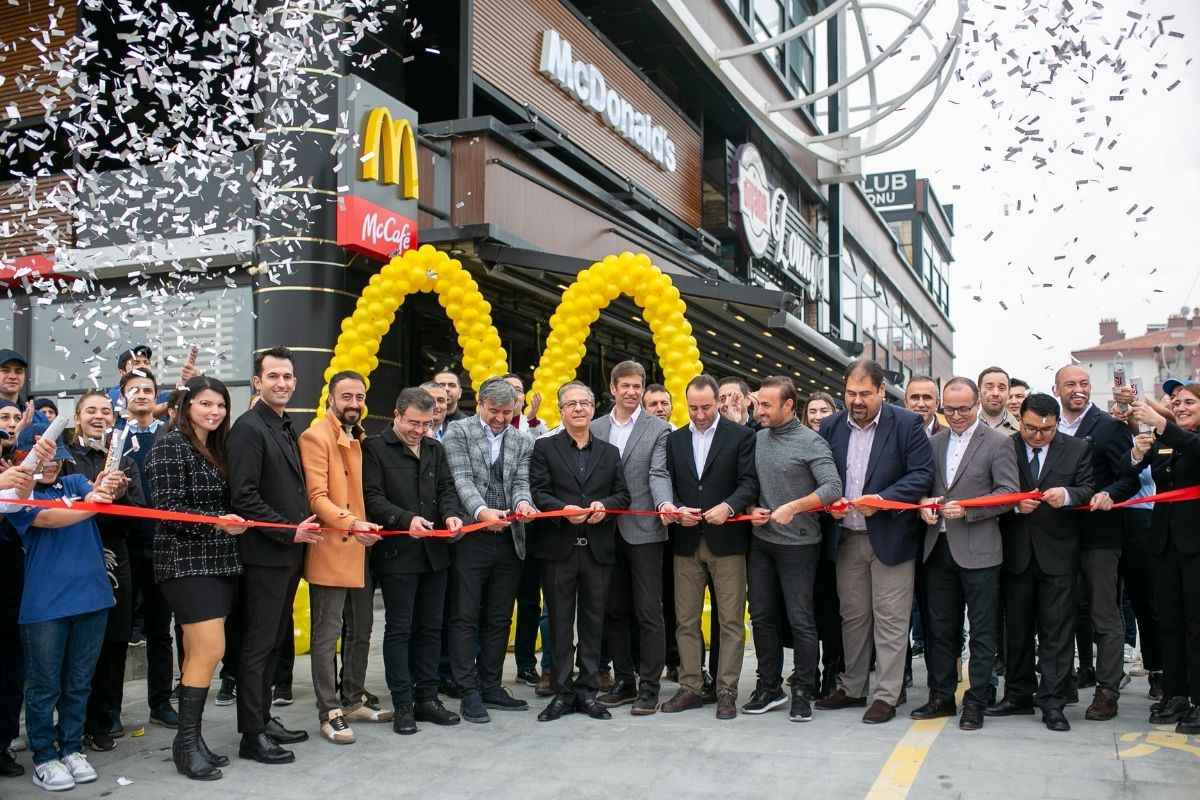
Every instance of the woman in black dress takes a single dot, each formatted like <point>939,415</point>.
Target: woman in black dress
<point>196,565</point>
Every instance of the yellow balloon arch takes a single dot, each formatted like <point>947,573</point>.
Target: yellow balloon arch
<point>424,270</point>
<point>594,288</point>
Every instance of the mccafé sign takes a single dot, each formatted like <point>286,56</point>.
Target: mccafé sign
<point>587,84</point>
<point>769,227</point>
<point>377,203</point>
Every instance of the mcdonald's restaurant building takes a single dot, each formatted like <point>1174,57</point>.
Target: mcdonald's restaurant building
<point>528,139</point>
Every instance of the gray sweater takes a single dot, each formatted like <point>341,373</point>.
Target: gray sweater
<point>793,461</point>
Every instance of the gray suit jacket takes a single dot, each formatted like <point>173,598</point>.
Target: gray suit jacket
<point>989,466</point>
<point>644,467</point>
<point>468,456</point>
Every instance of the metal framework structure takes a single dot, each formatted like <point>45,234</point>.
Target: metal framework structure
<point>840,151</point>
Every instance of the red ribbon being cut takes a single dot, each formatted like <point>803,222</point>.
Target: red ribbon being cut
<point>157,515</point>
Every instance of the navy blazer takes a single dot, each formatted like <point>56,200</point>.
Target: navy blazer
<point>900,468</point>
<point>1110,442</point>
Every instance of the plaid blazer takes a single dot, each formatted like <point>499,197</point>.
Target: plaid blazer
<point>470,464</point>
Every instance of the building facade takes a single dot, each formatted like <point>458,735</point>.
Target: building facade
<point>1166,350</point>
<point>546,135</point>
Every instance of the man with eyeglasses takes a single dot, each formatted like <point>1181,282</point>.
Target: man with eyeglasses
<point>961,552</point>
<point>407,485</point>
<point>1041,563</point>
<point>579,473</point>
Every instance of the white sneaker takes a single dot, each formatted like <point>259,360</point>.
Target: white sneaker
<point>17,745</point>
<point>81,770</point>
<point>53,776</point>
<point>1131,655</point>
<point>336,730</point>
<point>364,713</point>
<point>1138,669</point>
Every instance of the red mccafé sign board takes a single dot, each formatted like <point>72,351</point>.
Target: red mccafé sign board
<point>377,178</point>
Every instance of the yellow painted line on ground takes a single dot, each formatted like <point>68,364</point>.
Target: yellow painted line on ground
<point>899,772</point>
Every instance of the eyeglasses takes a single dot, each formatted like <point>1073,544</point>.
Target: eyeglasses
<point>959,411</point>
<point>1032,431</point>
<point>576,404</point>
<point>414,423</point>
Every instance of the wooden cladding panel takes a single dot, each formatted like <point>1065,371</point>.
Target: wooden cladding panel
<point>507,53</point>
<point>27,67</point>
<point>33,222</point>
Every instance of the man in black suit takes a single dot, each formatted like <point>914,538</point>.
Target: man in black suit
<point>407,485</point>
<point>576,471</point>
<point>1041,562</point>
<point>1100,594</point>
<point>267,484</point>
<point>711,463</point>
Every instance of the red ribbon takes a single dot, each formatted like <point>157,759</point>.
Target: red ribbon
<point>157,515</point>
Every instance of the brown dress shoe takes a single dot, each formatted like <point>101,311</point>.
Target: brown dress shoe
<point>839,700</point>
<point>726,704</point>
<point>543,688</point>
<point>1103,707</point>
<point>879,711</point>
<point>604,680</point>
<point>682,701</point>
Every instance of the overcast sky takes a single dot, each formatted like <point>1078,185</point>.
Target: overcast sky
<point>1151,265</point>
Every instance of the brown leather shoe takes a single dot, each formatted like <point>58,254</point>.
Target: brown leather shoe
<point>604,680</point>
<point>903,698</point>
<point>1103,707</point>
<point>839,700</point>
<point>543,688</point>
<point>682,701</point>
<point>726,704</point>
<point>879,711</point>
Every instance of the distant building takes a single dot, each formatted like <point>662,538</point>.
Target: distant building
<point>1165,350</point>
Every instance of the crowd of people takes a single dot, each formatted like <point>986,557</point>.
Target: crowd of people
<point>605,533</point>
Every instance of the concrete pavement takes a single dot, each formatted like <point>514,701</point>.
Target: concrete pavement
<point>686,755</point>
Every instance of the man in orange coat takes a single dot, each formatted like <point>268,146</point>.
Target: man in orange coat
<point>340,587</point>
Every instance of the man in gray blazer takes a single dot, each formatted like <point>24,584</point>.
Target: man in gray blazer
<point>489,460</point>
<point>635,590</point>
<point>962,552</point>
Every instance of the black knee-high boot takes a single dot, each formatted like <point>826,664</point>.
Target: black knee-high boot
<point>188,749</point>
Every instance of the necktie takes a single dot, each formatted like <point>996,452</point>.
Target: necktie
<point>1035,466</point>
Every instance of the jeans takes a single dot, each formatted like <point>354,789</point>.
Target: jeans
<point>792,568</point>
<point>412,633</point>
<point>60,656</point>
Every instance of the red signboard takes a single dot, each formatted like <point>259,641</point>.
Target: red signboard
<point>372,230</point>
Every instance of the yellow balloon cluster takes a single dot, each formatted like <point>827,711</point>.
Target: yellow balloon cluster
<point>594,288</point>
<point>424,270</point>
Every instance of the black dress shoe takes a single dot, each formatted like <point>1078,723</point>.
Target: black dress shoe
<point>1010,707</point>
<point>448,687</point>
<point>708,689</point>
<point>623,692</point>
<point>1055,720</point>
<point>1173,709</point>
<point>1085,678</point>
<point>433,711</point>
<point>1190,724</point>
<point>937,706</point>
<point>972,717</point>
<point>9,767</point>
<point>403,721</point>
<point>591,706</point>
<point>558,707</point>
<point>263,749</point>
<point>274,728</point>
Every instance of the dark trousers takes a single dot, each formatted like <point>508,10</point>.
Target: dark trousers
<point>635,593</point>
<point>577,584</point>
<point>1138,575</point>
<point>1177,593</point>
<point>412,633</point>
<point>285,661</point>
<point>484,574</point>
<point>947,587</point>
<point>108,687</point>
<point>265,606</point>
<point>156,627</point>
<point>790,570</point>
<point>529,609</point>
<point>667,600</point>
<point>828,612</point>
<point>1104,605</point>
<point>1045,603</point>
<point>12,685</point>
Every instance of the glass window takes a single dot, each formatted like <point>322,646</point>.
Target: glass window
<point>6,323</point>
<point>76,344</point>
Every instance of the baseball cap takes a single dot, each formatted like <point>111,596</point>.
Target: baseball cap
<point>28,438</point>
<point>136,350</point>
<point>12,355</point>
<point>1171,384</point>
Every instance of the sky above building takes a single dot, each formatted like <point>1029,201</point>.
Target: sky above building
<point>1073,170</point>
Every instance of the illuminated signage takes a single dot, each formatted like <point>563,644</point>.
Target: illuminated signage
<point>587,84</point>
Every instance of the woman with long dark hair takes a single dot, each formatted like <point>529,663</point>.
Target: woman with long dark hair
<point>196,565</point>
<point>818,406</point>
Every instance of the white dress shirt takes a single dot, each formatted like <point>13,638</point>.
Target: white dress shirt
<point>618,432</point>
<point>956,449</point>
<point>702,443</point>
<point>1072,428</point>
<point>495,441</point>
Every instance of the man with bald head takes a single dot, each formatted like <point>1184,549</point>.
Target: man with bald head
<point>1109,441</point>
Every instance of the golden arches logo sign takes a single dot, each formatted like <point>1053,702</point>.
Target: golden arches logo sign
<point>390,147</point>
<point>430,270</point>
